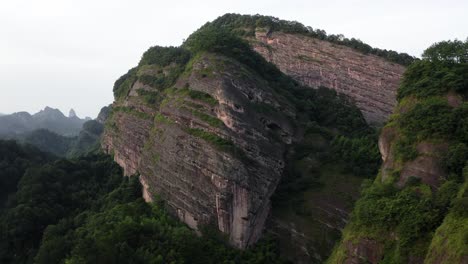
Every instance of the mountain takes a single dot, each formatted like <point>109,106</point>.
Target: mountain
<point>48,141</point>
<point>52,119</point>
<point>368,75</point>
<point>212,128</point>
<point>72,113</point>
<point>87,141</point>
<point>415,211</point>
<point>103,114</point>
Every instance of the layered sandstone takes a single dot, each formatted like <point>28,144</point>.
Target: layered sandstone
<point>368,79</point>
<point>206,149</point>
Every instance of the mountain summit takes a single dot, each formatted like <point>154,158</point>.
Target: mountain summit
<point>72,113</point>
<point>210,125</point>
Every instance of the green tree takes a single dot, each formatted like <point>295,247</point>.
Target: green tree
<point>448,51</point>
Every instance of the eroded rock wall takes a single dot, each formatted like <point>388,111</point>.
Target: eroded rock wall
<point>368,79</point>
<point>206,149</point>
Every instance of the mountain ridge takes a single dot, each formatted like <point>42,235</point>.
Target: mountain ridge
<point>369,76</point>
<point>19,123</point>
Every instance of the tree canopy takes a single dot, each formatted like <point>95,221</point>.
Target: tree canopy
<point>448,51</point>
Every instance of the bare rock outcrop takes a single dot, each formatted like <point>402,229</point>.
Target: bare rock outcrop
<point>206,149</point>
<point>368,79</point>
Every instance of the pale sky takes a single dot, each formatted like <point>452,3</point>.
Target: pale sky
<point>67,54</point>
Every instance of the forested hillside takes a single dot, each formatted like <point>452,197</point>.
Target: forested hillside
<point>415,211</point>
<point>85,211</point>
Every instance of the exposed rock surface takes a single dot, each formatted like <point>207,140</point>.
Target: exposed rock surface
<point>370,80</point>
<point>424,160</point>
<point>364,251</point>
<point>213,157</point>
<point>427,166</point>
<point>219,162</point>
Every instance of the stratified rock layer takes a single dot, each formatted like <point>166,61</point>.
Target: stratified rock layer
<point>206,149</point>
<point>370,80</point>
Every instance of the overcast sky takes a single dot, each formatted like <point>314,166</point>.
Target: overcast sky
<point>67,54</point>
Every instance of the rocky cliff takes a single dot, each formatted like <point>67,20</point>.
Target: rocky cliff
<point>370,76</point>
<point>208,127</point>
<point>211,126</point>
<point>206,149</point>
<point>370,80</point>
<point>412,212</point>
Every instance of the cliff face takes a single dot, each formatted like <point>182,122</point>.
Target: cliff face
<point>212,148</point>
<point>370,80</point>
<point>412,212</point>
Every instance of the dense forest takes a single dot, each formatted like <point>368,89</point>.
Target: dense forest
<point>84,211</point>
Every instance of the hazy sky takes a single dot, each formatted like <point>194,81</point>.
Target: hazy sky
<point>67,54</point>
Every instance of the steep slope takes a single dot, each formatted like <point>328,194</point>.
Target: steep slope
<point>208,126</point>
<point>14,161</point>
<point>48,141</point>
<point>86,142</point>
<point>424,151</point>
<point>206,150</point>
<point>367,75</point>
<point>370,80</point>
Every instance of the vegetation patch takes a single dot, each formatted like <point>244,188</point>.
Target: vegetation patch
<point>220,143</point>
<point>213,121</point>
<point>361,154</point>
<point>202,96</point>
<point>405,149</point>
<point>209,119</point>
<point>132,111</point>
<point>123,85</point>
<point>151,98</point>
<point>165,56</point>
<point>160,118</point>
<point>210,137</point>
<point>444,68</point>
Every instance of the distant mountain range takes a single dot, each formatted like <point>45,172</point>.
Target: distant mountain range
<point>53,132</point>
<point>54,120</point>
